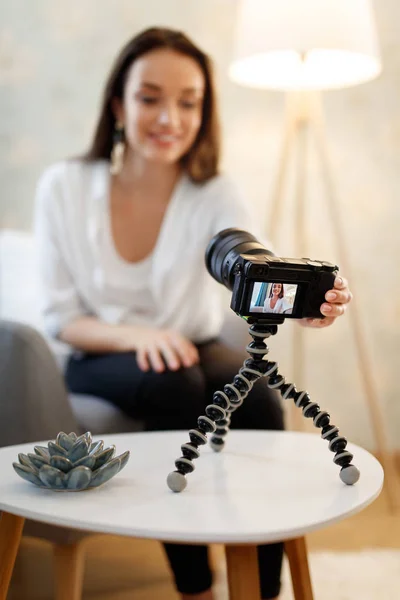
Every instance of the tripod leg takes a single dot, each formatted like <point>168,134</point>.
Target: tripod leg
<point>216,422</point>
<point>302,134</point>
<point>349,474</point>
<point>277,196</point>
<point>299,106</point>
<point>217,417</point>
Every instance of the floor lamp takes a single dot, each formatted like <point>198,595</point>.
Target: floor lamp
<point>304,47</point>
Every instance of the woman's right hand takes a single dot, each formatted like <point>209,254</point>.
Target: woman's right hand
<point>159,349</point>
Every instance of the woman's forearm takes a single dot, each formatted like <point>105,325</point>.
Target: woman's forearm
<point>91,335</point>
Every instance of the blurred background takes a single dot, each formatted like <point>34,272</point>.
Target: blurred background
<point>54,58</point>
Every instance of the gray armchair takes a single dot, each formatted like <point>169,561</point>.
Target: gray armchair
<point>34,406</point>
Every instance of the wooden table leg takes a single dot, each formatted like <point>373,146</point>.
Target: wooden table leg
<point>296,552</point>
<point>243,575</point>
<point>69,561</point>
<point>11,528</point>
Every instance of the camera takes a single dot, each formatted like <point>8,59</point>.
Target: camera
<point>265,287</point>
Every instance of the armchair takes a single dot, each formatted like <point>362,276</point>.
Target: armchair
<point>35,406</point>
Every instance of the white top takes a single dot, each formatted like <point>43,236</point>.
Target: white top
<point>83,273</point>
<point>279,307</point>
<point>263,487</point>
<point>137,283</point>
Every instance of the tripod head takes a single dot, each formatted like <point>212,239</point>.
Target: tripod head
<point>270,326</point>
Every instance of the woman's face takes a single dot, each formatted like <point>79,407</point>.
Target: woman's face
<point>276,289</point>
<point>162,105</point>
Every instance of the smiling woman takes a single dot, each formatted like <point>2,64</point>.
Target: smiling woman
<point>122,232</point>
<point>161,112</point>
<point>162,85</point>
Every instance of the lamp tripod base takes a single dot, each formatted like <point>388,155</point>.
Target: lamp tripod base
<point>304,124</point>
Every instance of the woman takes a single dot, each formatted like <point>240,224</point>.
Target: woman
<point>122,234</point>
<point>275,301</point>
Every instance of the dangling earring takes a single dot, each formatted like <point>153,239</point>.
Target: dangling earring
<point>118,149</point>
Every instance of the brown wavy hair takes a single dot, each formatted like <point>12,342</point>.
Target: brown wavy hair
<point>201,162</point>
<point>281,293</point>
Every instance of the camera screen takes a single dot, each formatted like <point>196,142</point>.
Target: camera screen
<point>273,297</point>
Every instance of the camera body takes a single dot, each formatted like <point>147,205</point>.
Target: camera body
<point>266,288</point>
<point>270,288</point>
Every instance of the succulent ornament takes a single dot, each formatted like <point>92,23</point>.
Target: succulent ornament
<point>70,463</point>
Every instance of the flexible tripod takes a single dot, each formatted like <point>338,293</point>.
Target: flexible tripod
<point>218,414</point>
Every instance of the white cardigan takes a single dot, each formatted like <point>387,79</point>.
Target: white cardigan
<point>83,275</point>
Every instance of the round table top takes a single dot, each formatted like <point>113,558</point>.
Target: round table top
<point>264,486</point>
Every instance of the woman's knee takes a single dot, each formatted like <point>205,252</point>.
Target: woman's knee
<point>176,390</point>
<point>262,409</point>
<point>270,406</point>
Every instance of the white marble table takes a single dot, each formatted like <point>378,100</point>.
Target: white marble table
<point>264,487</point>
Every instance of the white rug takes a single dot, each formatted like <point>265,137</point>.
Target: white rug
<point>365,575</point>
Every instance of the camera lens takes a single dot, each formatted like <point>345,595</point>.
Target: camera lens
<point>224,250</point>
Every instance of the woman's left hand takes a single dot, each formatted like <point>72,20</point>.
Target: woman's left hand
<point>335,306</point>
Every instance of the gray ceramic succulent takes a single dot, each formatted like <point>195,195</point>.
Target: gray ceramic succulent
<point>71,463</point>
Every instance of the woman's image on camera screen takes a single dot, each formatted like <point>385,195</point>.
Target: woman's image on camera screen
<point>274,297</point>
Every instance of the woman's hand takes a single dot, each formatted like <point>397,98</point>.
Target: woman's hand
<point>337,300</point>
<point>159,349</point>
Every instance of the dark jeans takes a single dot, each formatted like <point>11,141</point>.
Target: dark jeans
<point>174,400</point>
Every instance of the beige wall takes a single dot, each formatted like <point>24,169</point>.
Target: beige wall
<point>53,60</point>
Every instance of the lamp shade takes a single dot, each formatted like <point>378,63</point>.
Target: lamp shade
<point>305,44</point>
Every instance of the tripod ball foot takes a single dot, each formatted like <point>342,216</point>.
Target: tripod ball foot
<point>349,475</point>
<point>176,481</point>
<point>217,444</point>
